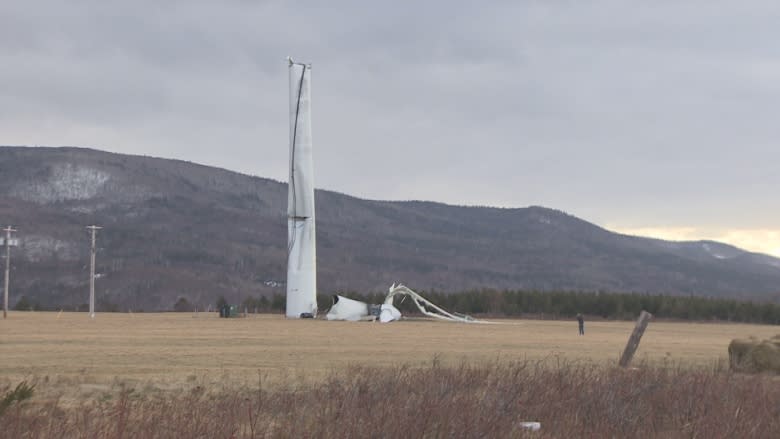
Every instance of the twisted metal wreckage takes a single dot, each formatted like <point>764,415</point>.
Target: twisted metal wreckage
<point>345,308</point>
<point>302,241</point>
<point>301,233</point>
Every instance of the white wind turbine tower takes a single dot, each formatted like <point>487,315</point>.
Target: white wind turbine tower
<point>301,239</point>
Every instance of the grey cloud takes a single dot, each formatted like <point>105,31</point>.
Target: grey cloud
<point>617,111</point>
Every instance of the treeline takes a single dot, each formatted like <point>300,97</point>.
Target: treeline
<point>562,305</point>
<point>527,304</point>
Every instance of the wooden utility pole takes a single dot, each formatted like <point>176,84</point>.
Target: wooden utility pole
<point>92,229</point>
<point>7,231</point>
<point>636,336</point>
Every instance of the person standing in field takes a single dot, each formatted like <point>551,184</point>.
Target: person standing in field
<point>581,322</point>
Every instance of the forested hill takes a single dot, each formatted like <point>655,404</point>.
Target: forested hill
<point>177,229</point>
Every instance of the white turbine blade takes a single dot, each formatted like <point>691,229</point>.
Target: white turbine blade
<point>421,303</point>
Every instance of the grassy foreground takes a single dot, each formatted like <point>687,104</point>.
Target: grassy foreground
<point>488,400</point>
<point>178,375</point>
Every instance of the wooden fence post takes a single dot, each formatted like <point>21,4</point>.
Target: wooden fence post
<point>636,336</point>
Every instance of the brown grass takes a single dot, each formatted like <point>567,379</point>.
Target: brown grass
<point>77,356</point>
<point>175,375</point>
<point>485,400</point>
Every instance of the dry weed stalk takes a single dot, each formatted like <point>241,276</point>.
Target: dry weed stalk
<point>569,399</point>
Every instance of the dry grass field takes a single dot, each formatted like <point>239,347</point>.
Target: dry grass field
<point>72,353</point>
<point>181,376</point>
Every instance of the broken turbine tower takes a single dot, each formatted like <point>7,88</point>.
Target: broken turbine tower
<point>301,238</point>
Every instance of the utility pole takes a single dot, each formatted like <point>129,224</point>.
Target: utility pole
<point>92,229</point>
<point>7,231</point>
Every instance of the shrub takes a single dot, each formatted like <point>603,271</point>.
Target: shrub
<point>755,355</point>
<point>23,391</point>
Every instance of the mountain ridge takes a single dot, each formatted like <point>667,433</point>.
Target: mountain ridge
<point>174,229</point>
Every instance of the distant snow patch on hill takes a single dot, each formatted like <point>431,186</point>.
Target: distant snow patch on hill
<point>709,250</point>
<point>36,248</point>
<point>66,181</point>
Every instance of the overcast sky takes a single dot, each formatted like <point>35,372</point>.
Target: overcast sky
<point>652,117</point>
